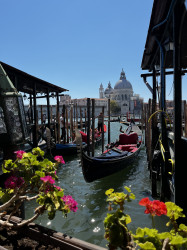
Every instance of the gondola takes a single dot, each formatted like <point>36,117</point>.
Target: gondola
<point>74,148</point>
<point>115,158</point>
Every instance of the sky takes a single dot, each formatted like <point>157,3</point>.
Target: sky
<point>77,44</point>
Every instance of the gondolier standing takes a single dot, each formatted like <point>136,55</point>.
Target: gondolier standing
<point>100,122</point>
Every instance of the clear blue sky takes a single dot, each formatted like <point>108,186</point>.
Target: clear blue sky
<point>77,44</point>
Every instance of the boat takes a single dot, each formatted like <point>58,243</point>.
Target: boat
<point>74,148</point>
<point>117,157</point>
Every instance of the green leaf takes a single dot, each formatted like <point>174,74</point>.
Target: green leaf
<point>164,235</point>
<point>140,232</point>
<point>132,196</point>
<point>147,245</point>
<point>178,240</point>
<point>128,189</point>
<point>60,193</point>
<point>57,204</point>
<point>109,191</point>
<point>51,215</point>
<point>40,173</point>
<point>183,227</point>
<point>174,211</point>
<point>7,166</point>
<point>151,232</point>
<point>38,151</point>
<point>1,194</point>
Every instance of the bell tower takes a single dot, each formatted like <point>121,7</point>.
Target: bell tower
<point>101,91</point>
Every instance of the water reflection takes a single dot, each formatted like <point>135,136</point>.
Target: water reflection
<point>87,222</point>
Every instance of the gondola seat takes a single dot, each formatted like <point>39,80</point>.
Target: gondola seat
<point>129,147</point>
<point>128,139</point>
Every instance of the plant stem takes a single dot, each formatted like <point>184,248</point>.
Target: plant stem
<point>153,222</point>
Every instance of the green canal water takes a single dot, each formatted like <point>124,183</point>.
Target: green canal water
<point>87,222</point>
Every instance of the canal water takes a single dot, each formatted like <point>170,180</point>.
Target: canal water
<point>87,222</point>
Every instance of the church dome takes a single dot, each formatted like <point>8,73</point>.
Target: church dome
<point>123,83</point>
<point>109,89</point>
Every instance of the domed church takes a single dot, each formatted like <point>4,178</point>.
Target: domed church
<point>122,93</point>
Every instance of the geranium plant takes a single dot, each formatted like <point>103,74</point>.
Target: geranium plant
<point>119,236</point>
<point>32,177</point>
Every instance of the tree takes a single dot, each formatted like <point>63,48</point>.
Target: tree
<point>114,107</point>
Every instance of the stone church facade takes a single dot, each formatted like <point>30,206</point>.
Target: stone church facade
<point>122,93</point>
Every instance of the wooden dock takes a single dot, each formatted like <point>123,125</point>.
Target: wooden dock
<point>166,156</point>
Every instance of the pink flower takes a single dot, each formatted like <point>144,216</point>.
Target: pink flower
<point>58,188</point>
<point>19,154</point>
<point>47,178</point>
<point>70,202</point>
<point>59,159</point>
<point>155,207</point>
<point>14,182</point>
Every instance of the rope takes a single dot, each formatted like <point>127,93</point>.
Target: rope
<point>162,149</point>
<point>172,165</point>
<point>164,112</point>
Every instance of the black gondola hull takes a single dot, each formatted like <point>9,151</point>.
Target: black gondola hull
<point>94,168</point>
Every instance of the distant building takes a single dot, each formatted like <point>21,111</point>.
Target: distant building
<point>122,93</point>
<point>81,104</point>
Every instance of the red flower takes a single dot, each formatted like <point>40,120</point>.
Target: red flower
<point>155,207</point>
<point>144,201</point>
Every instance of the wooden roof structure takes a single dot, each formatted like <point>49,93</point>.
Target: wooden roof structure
<point>25,82</point>
<point>161,30</point>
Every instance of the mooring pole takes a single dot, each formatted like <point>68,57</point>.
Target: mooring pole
<point>67,129</point>
<point>64,123</point>
<point>103,110</point>
<point>76,116</point>
<point>93,126</point>
<point>88,126</point>
<point>180,180</point>
<point>80,118</point>
<point>85,119</point>
<point>154,137</point>
<point>108,121</point>
<point>35,132</point>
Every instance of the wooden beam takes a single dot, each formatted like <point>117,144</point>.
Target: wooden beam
<point>179,168</point>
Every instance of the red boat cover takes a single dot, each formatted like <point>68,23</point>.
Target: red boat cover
<point>84,136</point>
<point>128,139</point>
<point>105,129</point>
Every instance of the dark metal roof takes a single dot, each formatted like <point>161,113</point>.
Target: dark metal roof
<point>162,14</point>
<point>25,82</point>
